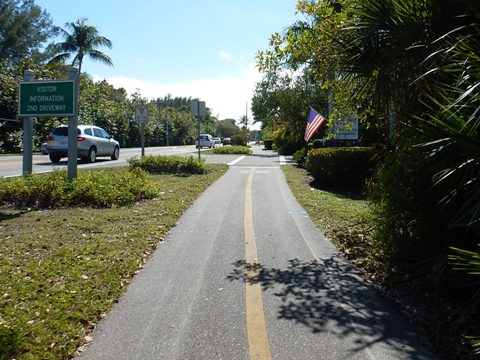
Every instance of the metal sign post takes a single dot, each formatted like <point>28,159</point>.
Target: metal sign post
<point>141,117</point>
<point>28,75</point>
<point>72,127</point>
<point>198,110</point>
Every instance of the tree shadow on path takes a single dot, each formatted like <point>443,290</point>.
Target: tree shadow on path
<point>330,295</point>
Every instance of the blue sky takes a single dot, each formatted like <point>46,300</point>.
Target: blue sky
<point>203,49</point>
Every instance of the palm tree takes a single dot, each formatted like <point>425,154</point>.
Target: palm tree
<point>82,40</point>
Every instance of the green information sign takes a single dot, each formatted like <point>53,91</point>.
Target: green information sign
<point>46,98</point>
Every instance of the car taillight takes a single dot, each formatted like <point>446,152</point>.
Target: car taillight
<point>80,138</point>
<point>50,138</point>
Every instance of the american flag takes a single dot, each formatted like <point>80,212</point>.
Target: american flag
<point>314,121</point>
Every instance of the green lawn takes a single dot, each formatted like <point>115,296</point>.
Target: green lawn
<point>61,270</point>
<point>345,218</point>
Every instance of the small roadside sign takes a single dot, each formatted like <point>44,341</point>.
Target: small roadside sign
<point>141,114</point>
<point>46,98</point>
<point>198,108</point>
<point>346,129</point>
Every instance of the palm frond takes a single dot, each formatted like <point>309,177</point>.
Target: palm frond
<point>99,56</point>
<point>60,58</point>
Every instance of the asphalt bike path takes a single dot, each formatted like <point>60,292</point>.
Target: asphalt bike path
<point>246,275</point>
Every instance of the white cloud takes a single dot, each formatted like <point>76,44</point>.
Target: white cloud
<point>224,55</point>
<point>226,96</point>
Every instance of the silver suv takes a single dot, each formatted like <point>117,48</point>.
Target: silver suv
<point>205,140</point>
<point>92,142</point>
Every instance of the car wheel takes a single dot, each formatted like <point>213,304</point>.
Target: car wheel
<point>116,153</point>
<point>92,155</point>
<point>54,158</point>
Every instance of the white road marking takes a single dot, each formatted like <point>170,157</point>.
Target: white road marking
<point>236,160</point>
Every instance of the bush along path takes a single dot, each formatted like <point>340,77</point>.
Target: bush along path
<point>348,219</point>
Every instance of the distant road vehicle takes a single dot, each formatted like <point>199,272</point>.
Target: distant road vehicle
<point>227,141</point>
<point>204,140</point>
<point>217,140</point>
<point>92,141</point>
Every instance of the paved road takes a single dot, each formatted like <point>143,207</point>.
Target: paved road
<point>12,165</point>
<point>246,275</point>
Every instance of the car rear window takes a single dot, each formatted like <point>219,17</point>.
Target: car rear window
<point>62,131</point>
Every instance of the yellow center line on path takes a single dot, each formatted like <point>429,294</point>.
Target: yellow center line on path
<point>258,344</point>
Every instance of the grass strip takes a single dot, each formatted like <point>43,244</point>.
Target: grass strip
<point>61,270</point>
<point>344,217</point>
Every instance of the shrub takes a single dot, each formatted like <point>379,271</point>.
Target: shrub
<point>239,139</point>
<point>161,164</point>
<point>268,144</point>
<point>317,144</point>
<point>232,150</point>
<point>90,188</point>
<point>100,189</point>
<point>409,228</point>
<point>300,156</point>
<point>341,168</point>
<point>289,148</point>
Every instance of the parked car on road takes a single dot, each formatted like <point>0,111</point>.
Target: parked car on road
<point>43,148</point>
<point>217,140</point>
<point>92,142</point>
<point>227,141</point>
<point>204,140</point>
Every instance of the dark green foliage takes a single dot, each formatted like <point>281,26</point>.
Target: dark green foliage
<point>235,149</point>
<point>90,188</point>
<point>300,156</point>
<point>181,103</point>
<point>409,226</point>
<point>268,144</point>
<point>160,164</point>
<point>11,132</point>
<point>24,27</point>
<point>227,128</point>
<point>239,139</point>
<point>9,340</point>
<point>344,168</point>
<point>288,148</point>
<point>317,143</point>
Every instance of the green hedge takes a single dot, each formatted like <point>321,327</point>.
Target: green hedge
<point>268,144</point>
<point>235,149</point>
<point>90,188</point>
<point>345,168</point>
<point>161,164</point>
